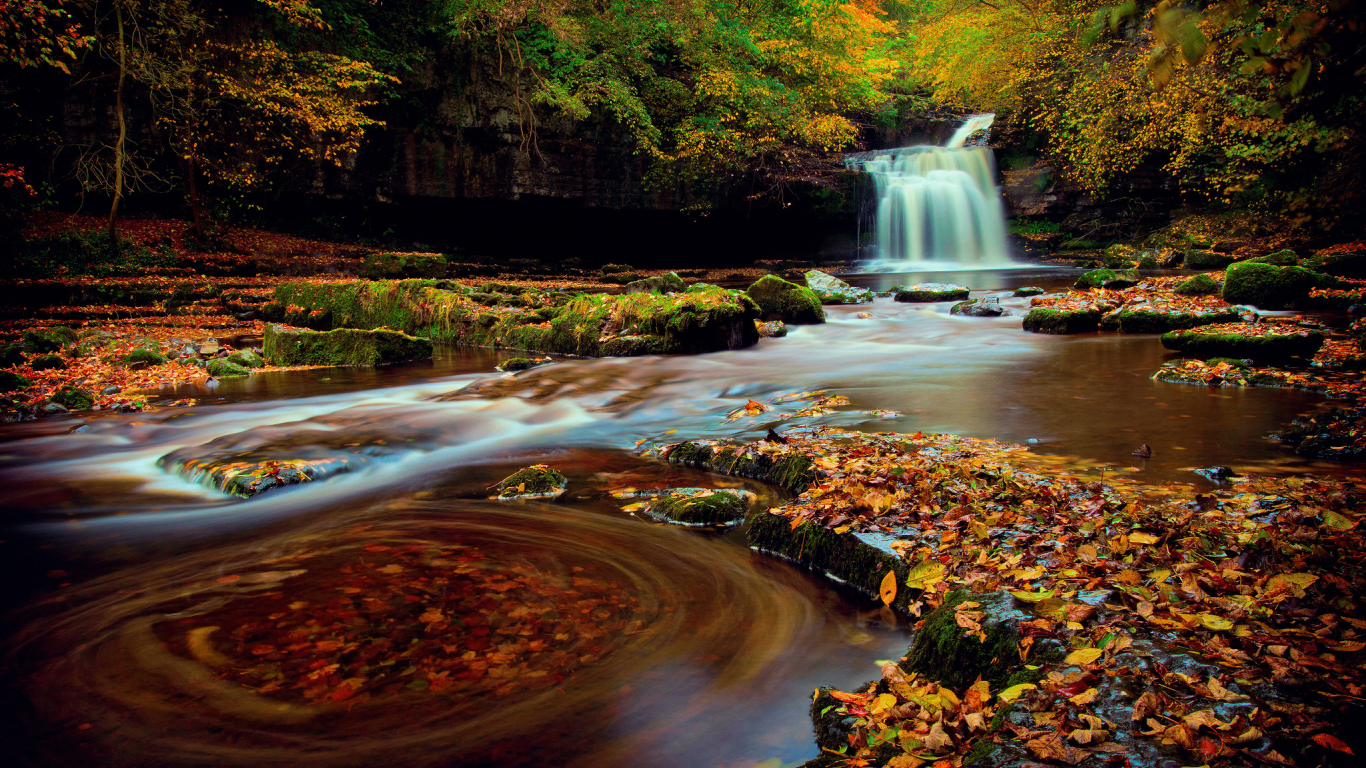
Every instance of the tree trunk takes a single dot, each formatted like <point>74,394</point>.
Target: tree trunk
<point>119,158</point>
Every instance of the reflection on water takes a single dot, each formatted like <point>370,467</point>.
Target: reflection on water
<point>729,642</point>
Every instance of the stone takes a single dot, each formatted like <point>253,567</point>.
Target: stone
<point>221,368</point>
<point>929,292</point>
<point>515,364</point>
<point>1198,285</point>
<point>11,354</point>
<point>615,269</point>
<point>944,652</point>
<point>977,308</point>
<point>142,357</point>
<point>246,359</point>
<point>344,346</point>
<point>779,299</point>
<point>13,382</point>
<point>698,507</point>
<point>1246,341</point>
<point>73,398</point>
<point>670,283</point>
<point>832,290</point>
<point>208,348</point>
<point>1140,319</point>
<point>1115,280</point>
<point>112,389</point>
<point>1215,474</point>
<point>1267,286</point>
<point>1028,290</point>
<point>47,363</point>
<point>775,329</point>
<point>1062,321</point>
<point>53,409</point>
<point>535,482</point>
<point>1207,260</point>
<point>1285,258</point>
<point>46,339</point>
<point>1349,264</point>
<point>383,266</point>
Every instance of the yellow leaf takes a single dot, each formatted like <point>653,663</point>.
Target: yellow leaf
<point>1142,538</point>
<point>1083,656</point>
<point>1216,623</point>
<point>1085,697</point>
<point>1015,691</point>
<point>925,575</point>
<point>1032,597</point>
<point>884,702</point>
<point>1294,583</point>
<point>888,589</point>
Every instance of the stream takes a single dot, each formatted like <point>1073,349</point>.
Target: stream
<point>621,642</point>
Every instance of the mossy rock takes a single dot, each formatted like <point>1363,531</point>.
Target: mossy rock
<point>1061,321</point>
<point>616,269</point>
<point>670,283</point>
<point>73,398</point>
<point>633,345</point>
<point>12,354</point>
<point>1340,264</point>
<point>791,470</point>
<point>943,651</point>
<point>47,363</point>
<point>143,356</point>
<point>47,339</point>
<point>977,308</point>
<point>1285,258</point>
<point>775,329</point>
<point>222,368</point>
<point>383,266</point>
<point>1028,290</point>
<point>1197,285</point>
<point>246,359</point>
<point>928,292</point>
<point>1142,320</point>
<point>621,278</point>
<point>1108,278</point>
<point>535,482</point>
<point>13,382</point>
<point>832,290</point>
<point>1267,286</point>
<point>344,346</point>
<point>1207,260</point>
<point>512,365</point>
<point>717,508</point>
<point>1225,341</point>
<point>779,299</point>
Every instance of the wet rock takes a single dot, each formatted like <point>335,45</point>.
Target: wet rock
<point>345,346</point>
<point>1352,264</point>
<point>928,292</point>
<point>698,507</point>
<point>978,308</point>
<point>1246,341</point>
<point>12,411</point>
<point>1062,321</point>
<point>832,290</point>
<point>1215,474</point>
<point>616,269</point>
<point>73,398</point>
<point>142,357</point>
<point>943,651</point>
<point>1028,290</point>
<point>221,368</point>
<point>789,469</point>
<point>1198,285</point>
<point>1268,287</point>
<point>670,283</point>
<point>772,330</point>
<point>780,300</point>
<point>53,409</point>
<point>208,348</point>
<point>1332,434</point>
<point>246,360</point>
<point>535,482</point>
<point>47,339</point>
<point>512,365</point>
<point>1285,258</point>
<point>112,389</point>
<point>1207,260</point>
<point>1139,319</point>
<point>1109,279</point>
<point>13,382</point>
<point>47,363</point>
<point>11,354</point>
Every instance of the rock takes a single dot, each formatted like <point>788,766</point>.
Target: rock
<point>380,266</point>
<point>1246,341</point>
<point>1286,258</point>
<point>832,290</point>
<point>1215,474</point>
<point>1140,319</point>
<point>53,409</point>
<point>942,651</point>
<point>771,330</point>
<point>1331,434</point>
<point>112,389</point>
<point>1207,260</point>
<point>73,398</point>
<point>1267,286</point>
<point>615,269</point>
<point>515,364</point>
<point>1028,290</point>
<point>670,283</point>
<point>246,360</point>
<point>1061,321</point>
<point>534,482</point>
<point>977,308</point>
<point>344,346</point>
<point>780,300</point>
<point>11,354</point>
<point>13,382</point>
<point>142,357</point>
<point>47,339</point>
<point>221,368</point>
<point>1197,285</point>
<point>208,348</point>
<point>929,292</point>
<point>698,507</point>
<point>1352,264</point>
<point>789,469</point>
<point>1143,452</point>
<point>47,363</point>
<point>1108,278</point>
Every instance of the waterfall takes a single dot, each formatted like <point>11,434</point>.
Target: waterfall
<point>938,203</point>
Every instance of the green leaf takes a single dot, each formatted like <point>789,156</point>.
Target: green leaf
<point>925,575</point>
<point>1301,77</point>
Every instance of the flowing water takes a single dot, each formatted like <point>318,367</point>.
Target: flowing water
<point>146,608</point>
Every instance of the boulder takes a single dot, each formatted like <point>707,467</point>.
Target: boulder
<point>771,330</point>
<point>670,283</point>
<point>621,278</point>
<point>832,290</point>
<point>246,359</point>
<point>1197,285</point>
<point>616,269</point>
<point>780,300</point>
<point>1267,286</point>
<point>222,368</point>
<point>1351,264</point>
<point>73,398</point>
<point>1140,319</point>
<point>927,292</point>
<point>40,340</point>
<point>515,364</point>
<point>1060,321</point>
<point>344,346</point>
<point>1286,258</point>
<point>13,382</point>
<point>698,507</point>
<point>1207,260</point>
<point>978,308</point>
<point>535,482</point>
<point>53,409</point>
<point>1028,290</point>
<point>1251,341</point>
<point>381,266</point>
<point>1108,278</point>
<point>142,357</point>
<point>47,362</point>
<point>208,347</point>
<point>11,354</point>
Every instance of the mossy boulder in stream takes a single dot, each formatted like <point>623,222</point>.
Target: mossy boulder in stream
<point>929,292</point>
<point>1250,341</point>
<point>670,283</point>
<point>246,359</point>
<point>344,346</point>
<point>832,290</point>
<point>13,382</point>
<point>73,398</point>
<point>1109,278</point>
<point>943,651</point>
<point>1207,260</point>
<point>535,482</point>
<point>1197,285</point>
<point>222,368</point>
<point>788,469</point>
<point>780,300</point>
<point>516,364</point>
<point>1267,286</point>
<point>989,307</point>
<point>699,507</point>
<point>1140,319</point>
<point>1285,258</point>
<point>1059,321</point>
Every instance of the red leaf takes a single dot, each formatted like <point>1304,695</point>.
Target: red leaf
<point>1332,742</point>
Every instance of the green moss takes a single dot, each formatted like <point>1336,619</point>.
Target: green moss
<point>1156,321</point>
<point>345,346</point>
<point>246,359</point>
<point>538,481</point>
<point>143,356</point>
<point>928,292</point>
<point>13,382</point>
<point>670,283</point>
<point>1044,320</point>
<point>943,651</point>
<point>622,278</point>
<point>47,362</point>
<point>11,354</point>
<point>1286,258</point>
<point>401,265</point>
<point>1341,264</point>
<point>1028,290</point>
<point>719,508</point>
<point>1267,286</point>
<point>222,368</point>
<point>1207,260</point>
<point>512,365</point>
<point>1303,343</point>
<point>1108,278</point>
<point>1233,361</point>
<point>832,290</point>
<point>73,398</point>
<point>47,339</point>
<point>780,300</point>
<point>1197,285</point>
<point>615,269</point>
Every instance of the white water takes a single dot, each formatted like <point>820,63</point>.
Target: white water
<point>940,204</point>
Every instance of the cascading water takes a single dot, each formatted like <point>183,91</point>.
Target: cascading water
<point>939,203</point>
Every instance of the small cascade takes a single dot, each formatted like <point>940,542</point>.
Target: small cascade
<point>938,204</point>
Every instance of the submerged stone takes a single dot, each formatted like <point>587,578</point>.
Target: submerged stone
<point>344,346</point>
<point>1062,321</point>
<point>535,482</point>
<point>977,308</point>
<point>832,290</point>
<point>780,300</point>
<point>929,292</point>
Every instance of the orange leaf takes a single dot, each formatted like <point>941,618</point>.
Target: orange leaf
<point>888,589</point>
<point>1332,742</point>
